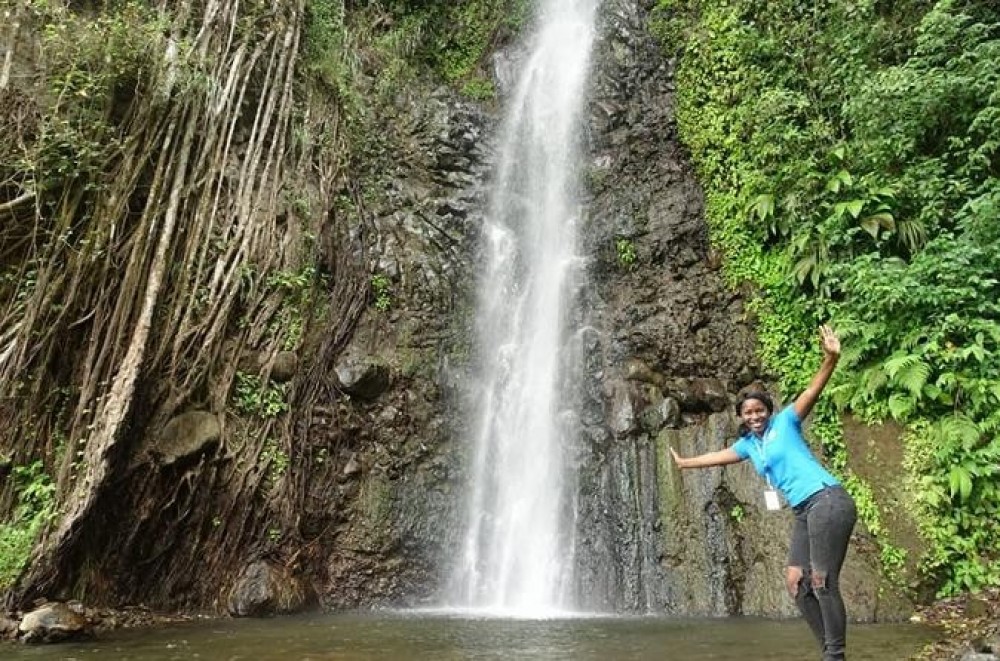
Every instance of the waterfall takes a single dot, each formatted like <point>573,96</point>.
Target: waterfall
<point>518,553</point>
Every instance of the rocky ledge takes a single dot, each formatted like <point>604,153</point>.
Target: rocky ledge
<point>56,621</point>
<point>970,627</point>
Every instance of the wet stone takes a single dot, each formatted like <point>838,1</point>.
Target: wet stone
<point>264,589</point>
<point>53,623</point>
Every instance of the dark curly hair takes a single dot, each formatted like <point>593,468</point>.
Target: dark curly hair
<point>761,397</point>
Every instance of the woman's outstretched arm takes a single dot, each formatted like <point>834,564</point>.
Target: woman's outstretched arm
<point>831,354</point>
<point>718,458</point>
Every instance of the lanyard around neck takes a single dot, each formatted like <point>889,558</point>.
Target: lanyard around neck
<point>762,448</point>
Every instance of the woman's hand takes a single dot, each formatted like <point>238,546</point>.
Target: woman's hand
<point>717,458</point>
<point>831,354</point>
<point>829,341</point>
<point>679,460</point>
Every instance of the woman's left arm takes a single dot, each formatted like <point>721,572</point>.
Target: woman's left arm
<point>831,354</point>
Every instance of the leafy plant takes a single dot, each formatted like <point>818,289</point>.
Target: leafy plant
<point>251,396</point>
<point>276,460</point>
<point>737,513</point>
<point>382,292</point>
<point>297,300</point>
<point>35,508</point>
<point>625,250</point>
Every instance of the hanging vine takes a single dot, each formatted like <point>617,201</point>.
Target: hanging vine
<point>147,200</point>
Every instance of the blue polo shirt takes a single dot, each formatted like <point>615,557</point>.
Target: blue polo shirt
<point>784,459</point>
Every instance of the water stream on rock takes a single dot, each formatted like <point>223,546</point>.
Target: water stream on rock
<point>518,553</point>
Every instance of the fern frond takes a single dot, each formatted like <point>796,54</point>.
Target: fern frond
<point>898,361</point>
<point>901,406</point>
<point>912,376</point>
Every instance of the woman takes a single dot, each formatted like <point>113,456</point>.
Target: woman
<point>824,512</point>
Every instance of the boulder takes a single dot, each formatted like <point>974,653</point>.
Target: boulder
<point>624,418</point>
<point>699,394</point>
<point>363,377</point>
<point>264,589</point>
<point>637,370</point>
<point>8,627</point>
<point>352,467</point>
<point>185,435</point>
<point>666,413</point>
<point>52,623</point>
<point>286,364</point>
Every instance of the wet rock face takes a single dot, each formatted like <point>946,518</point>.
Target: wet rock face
<point>395,442</point>
<point>670,344</point>
<point>666,305</point>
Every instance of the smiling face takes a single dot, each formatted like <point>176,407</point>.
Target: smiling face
<point>755,415</point>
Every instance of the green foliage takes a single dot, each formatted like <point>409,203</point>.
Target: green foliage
<point>457,52</point>
<point>297,299</point>
<point>954,464</point>
<point>276,460</point>
<point>737,513</point>
<point>253,397</point>
<point>850,157</point>
<point>625,250</point>
<point>479,88</point>
<point>382,292</point>
<point>35,508</point>
<point>89,62</point>
<point>357,49</point>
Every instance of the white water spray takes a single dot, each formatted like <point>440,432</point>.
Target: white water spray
<point>518,551</point>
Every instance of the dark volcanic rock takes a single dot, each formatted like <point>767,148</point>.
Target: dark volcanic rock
<point>364,378</point>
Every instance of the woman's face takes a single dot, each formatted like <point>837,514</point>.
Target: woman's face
<point>754,415</point>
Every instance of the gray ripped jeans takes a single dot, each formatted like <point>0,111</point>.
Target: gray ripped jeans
<point>822,529</point>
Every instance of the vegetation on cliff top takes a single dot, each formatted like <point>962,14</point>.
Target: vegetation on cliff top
<point>850,154</point>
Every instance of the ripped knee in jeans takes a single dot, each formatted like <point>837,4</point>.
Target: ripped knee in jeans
<point>818,582</point>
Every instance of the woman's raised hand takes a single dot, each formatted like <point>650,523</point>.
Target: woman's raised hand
<point>829,341</point>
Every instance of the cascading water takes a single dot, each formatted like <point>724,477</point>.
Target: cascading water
<point>517,557</point>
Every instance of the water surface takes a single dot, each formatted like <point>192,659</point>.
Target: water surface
<point>372,637</point>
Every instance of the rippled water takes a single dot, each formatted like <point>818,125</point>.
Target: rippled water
<point>445,638</point>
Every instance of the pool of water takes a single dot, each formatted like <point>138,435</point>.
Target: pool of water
<point>364,637</point>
